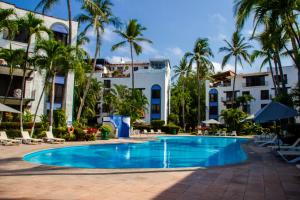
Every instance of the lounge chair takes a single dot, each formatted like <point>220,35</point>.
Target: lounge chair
<point>51,139</point>
<point>199,132</point>
<point>223,133</point>
<point>159,131</point>
<point>263,137</point>
<point>273,142</point>
<point>152,131</point>
<point>6,141</point>
<point>145,131</point>
<point>26,139</point>
<point>265,140</point>
<point>233,133</point>
<point>285,146</point>
<point>290,156</point>
<point>206,132</point>
<point>218,133</point>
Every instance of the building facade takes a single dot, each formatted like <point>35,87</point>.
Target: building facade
<point>259,85</point>
<point>152,77</point>
<point>35,80</point>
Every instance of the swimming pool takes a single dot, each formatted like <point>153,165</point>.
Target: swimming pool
<point>166,152</point>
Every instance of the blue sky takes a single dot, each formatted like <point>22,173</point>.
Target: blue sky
<point>172,25</point>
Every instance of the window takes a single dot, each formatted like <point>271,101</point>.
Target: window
<point>146,67</point>
<point>107,83</point>
<point>278,79</point>
<point>229,95</point>
<point>21,36</point>
<point>61,37</point>
<point>246,93</point>
<point>135,69</point>
<point>155,109</point>
<point>59,93</point>
<point>255,81</point>
<point>120,68</point>
<point>213,110</point>
<point>246,108</point>
<point>263,105</point>
<point>105,108</point>
<point>264,94</point>
<point>213,97</point>
<point>155,94</point>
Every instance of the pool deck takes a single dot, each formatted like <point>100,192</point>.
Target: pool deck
<point>263,176</point>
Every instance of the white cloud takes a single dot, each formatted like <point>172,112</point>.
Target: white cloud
<point>217,17</point>
<point>148,49</point>
<point>118,59</point>
<point>108,34</point>
<point>176,51</point>
<point>218,67</point>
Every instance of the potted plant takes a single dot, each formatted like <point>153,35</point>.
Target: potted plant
<point>105,131</point>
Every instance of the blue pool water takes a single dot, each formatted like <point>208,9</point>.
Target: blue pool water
<point>166,152</point>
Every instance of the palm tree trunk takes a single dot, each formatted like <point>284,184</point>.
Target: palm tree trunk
<point>132,68</point>
<point>233,86</point>
<point>97,52</point>
<point>277,76</point>
<point>183,108</point>
<point>272,74</point>
<point>38,105</point>
<point>63,103</point>
<point>281,73</point>
<point>52,101</point>
<point>23,83</point>
<point>199,95</point>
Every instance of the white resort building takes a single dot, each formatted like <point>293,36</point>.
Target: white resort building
<point>35,80</point>
<point>259,85</point>
<point>152,77</point>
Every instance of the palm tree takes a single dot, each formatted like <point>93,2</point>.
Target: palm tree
<point>53,60</point>
<point>33,26</point>
<point>201,56</point>
<point>96,19</point>
<point>133,35</point>
<point>238,49</point>
<point>182,71</point>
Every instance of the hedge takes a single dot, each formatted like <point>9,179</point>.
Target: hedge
<point>169,128</point>
<point>16,125</point>
<point>157,124</point>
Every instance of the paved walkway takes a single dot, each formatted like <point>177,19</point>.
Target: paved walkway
<point>263,177</point>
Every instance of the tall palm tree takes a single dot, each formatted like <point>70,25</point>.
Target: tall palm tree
<point>182,71</point>
<point>201,56</point>
<point>51,57</point>
<point>7,23</point>
<point>133,35</point>
<point>33,26</point>
<point>97,19</point>
<point>237,48</point>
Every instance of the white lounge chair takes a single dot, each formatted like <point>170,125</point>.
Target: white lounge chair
<point>6,141</point>
<point>233,133</point>
<point>263,137</point>
<point>26,139</point>
<point>145,131</point>
<point>206,132</point>
<point>218,133</point>
<point>274,141</point>
<point>199,132</point>
<point>285,146</point>
<point>290,156</point>
<point>223,133</point>
<point>51,139</point>
<point>152,131</point>
<point>159,131</point>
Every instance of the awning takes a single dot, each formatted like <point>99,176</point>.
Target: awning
<point>4,108</point>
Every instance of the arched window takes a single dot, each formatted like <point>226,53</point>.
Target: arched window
<point>213,104</point>
<point>155,102</point>
<point>60,32</point>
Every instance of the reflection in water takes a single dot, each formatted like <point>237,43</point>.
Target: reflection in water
<point>168,152</point>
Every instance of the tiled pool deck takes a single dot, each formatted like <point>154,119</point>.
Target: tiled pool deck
<point>263,177</point>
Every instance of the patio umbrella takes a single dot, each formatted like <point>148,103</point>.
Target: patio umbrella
<point>211,121</point>
<point>4,108</point>
<point>274,111</point>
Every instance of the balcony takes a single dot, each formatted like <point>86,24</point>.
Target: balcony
<point>265,83</point>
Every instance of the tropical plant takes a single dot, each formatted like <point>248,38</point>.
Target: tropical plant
<point>96,19</point>
<point>296,95</point>
<point>33,26</point>
<point>8,24</point>
<point>51,58</point>
<point>232,118</point>
<point>244,100</point>
<point>182,71</point>
<point>237,48</point>
<point>133,35</point>
<point>201,56</point>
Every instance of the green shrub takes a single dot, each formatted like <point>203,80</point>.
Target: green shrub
<point>16,125</point>
<point>157,124</point>
<point>60,119</point>
<point>79,134</point>
<point>27,116</point>
<point>13,133</point>
<point>173,118</point>
<point>142,127</point>
<point>90,137</point>
<point>60,132</point>
<point>169,129</point>
<point>106,128</point>
<point>69,137</point>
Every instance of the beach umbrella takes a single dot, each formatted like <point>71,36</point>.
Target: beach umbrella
<point>274,111</point>
<point>4,108</point>
<point>211,121</point>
